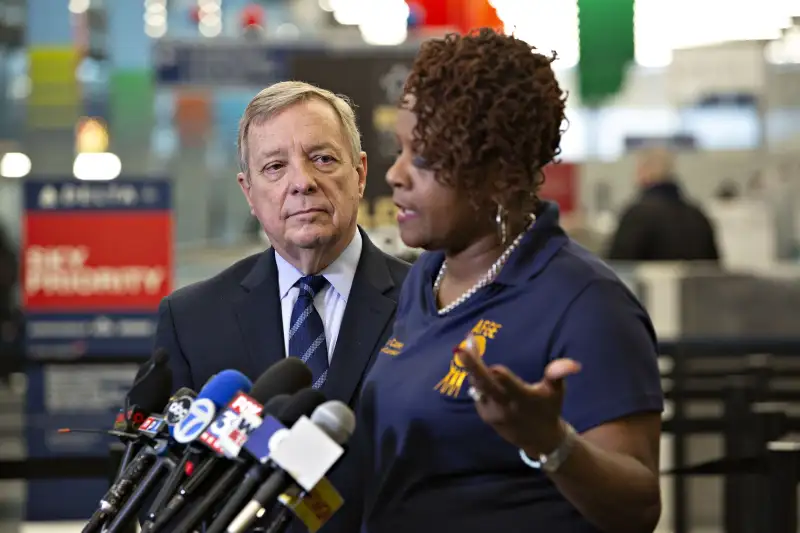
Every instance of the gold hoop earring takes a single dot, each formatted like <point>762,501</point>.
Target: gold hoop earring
<point>501,219</point>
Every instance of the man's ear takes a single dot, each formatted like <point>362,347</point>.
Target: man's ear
<point>361,169</point>
<point>244,185</point>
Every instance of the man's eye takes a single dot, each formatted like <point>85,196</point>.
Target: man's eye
<point>325,159</point>
<point>273,167</point>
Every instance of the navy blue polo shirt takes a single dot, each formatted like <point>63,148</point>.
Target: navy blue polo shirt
<point>436,466</point>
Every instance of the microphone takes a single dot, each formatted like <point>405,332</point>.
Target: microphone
<point>200,414</point>
<point>314,509</point>
<point>160,357</point>
<point>159,517</point>
<point>148,394</point>
<point>166,464</point>
<point>151,393</point>
<point>308,451</point>
<point>216,393</point>
<point>269,431</point>
<point>176,411</point>
<point>284,377</point>
<point>178,407</point>
<point>303,402</point>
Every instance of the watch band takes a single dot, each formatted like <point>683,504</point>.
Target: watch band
<point>552,461</point>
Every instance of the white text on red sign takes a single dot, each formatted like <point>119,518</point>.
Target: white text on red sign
<point>62,271</point>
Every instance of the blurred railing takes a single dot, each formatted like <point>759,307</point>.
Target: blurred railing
<point>755,384</point>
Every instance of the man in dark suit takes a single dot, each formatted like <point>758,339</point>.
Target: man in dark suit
<point>323,291</point>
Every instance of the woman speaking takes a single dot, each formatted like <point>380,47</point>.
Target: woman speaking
<point>520,390</point>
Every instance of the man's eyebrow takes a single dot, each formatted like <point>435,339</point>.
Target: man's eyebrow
<point>318,147</point>
<point>268,154</point>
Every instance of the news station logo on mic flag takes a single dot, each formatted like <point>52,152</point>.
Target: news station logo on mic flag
<point>96,261</point>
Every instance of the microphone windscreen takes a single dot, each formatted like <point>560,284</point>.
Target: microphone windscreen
<point>159,358</point>
<point>336,419</point>
<point>223,387</point>
<point>276,404</point>
<point>152,391</point>
<point>184,391</point>
<point>287,376</point>
<point>178,407</point>
<point>302,403</point>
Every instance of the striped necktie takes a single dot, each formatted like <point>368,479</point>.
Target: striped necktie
<point>307,333</point>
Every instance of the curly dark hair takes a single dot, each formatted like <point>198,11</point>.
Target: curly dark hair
<point>489,115</point>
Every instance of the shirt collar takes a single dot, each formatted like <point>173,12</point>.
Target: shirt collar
<point>538,246</point>
<point>339,274</point>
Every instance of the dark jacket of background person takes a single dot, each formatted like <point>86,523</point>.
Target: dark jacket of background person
<point>10,317</point>
<point>8,275</point>
<point>662,224</point>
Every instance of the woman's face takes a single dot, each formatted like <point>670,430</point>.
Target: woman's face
<point>431,215</point>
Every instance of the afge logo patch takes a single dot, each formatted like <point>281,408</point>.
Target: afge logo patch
<point>392,347</point>
<point>483,332</point>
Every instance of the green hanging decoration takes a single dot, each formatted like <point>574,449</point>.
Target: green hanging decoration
<point>606,48</point>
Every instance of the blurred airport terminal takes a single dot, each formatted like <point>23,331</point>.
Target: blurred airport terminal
<point>118,129</point>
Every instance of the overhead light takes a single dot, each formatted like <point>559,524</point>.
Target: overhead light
<point>210,18</point>
<point>156,32</point>
<point>712,22</point>
<point>15,165</point>
<point>549,26</point>
<point>350,12</point>
<point>384,22</point>
<point>155,18</point>
<point>103,166</point>
<point>78,6</point>
<point>209,29</point>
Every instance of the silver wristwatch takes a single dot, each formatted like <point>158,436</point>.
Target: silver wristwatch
<point>552,461</point>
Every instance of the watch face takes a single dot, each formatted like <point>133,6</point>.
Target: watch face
<point>551,464</point>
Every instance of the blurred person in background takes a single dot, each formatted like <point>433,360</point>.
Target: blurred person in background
<point>662,224</point>
<point>10,322</point>
<point>520,390</point>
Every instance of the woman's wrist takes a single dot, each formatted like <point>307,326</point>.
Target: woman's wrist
<point>547,441</point>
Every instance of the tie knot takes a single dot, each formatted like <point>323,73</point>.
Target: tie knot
<point>310,285</point>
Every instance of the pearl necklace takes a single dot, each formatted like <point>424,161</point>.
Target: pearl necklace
<point>485,280</point>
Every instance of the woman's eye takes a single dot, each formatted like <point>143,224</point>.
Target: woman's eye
<point>419,162</point>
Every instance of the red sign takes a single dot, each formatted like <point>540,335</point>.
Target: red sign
<point>95,260</point>
<point>561,186</point>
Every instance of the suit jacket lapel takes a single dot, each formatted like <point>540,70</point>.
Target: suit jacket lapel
<point>368,313</point>
<point>258,310</point>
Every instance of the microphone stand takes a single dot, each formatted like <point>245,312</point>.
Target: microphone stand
<point>162,467</point>
<point>131,450</point>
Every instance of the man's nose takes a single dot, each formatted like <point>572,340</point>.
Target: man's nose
<point>303,182</point>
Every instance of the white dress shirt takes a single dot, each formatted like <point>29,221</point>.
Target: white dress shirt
<point>331,301</point>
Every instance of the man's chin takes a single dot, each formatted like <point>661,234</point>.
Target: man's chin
<point>313,237</point>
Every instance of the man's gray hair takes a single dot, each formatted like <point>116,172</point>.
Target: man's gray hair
<point>280,96</point>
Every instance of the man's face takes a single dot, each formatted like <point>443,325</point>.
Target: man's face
<point>303,185</point>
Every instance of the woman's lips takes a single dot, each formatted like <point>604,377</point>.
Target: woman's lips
<point>404,214</point>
